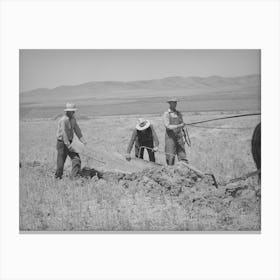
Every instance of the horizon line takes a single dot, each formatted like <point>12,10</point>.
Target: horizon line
<point>140,80</point>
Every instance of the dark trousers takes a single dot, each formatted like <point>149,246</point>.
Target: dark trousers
<point>62,153</point>
<point>139,153</point>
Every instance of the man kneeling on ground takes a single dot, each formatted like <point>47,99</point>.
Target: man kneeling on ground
<point>144,137</point>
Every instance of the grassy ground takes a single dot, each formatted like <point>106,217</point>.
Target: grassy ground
<point>115,106</point>
<point>155,199</point>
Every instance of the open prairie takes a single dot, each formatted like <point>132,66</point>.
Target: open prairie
<point>148,197</point>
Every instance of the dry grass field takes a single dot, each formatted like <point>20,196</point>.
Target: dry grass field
<point>150,198</point>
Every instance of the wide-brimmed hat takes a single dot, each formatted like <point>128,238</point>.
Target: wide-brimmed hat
<point>70,107</point>
<point>142,124</point>
<point>173,99</point>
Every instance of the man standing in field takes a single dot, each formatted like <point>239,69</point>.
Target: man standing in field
<point>67,125</point>
<point>174,138</point>
<point>143,135</point>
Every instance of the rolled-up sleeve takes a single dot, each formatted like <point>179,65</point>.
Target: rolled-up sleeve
<point>77,129</point>
<point>180,117</point>
<point>131,142</point>
<point>63,128</point>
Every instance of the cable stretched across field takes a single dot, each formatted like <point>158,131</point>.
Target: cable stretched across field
<point>194,124</point>
<point>216,127</point>
<point>223,118</point>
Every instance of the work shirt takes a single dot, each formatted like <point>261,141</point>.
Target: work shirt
<point>171,120</point>
<point>66,129</point>
<point>135,138</point>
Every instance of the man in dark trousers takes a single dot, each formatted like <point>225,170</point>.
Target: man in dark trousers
<point>174,138</point>
<point>143,135</point>
<point>67,126</point>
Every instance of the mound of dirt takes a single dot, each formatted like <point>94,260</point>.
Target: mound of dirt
<point>162,179</point>
<point>234,206</point>
<point>175,181</point>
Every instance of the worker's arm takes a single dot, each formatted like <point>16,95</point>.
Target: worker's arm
<point>155,138</point>
<point>181,119</point>
<point>78,131</point>
<point>131,142</point>
<point>65,139</point>
<point>167,122</point>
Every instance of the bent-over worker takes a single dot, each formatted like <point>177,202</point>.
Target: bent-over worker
<point>143,135</point>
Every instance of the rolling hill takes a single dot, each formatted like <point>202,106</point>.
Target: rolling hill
<point>117,97</point>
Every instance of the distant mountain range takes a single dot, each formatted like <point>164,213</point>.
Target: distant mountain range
<point>148,96</point>
<point>177,85</point>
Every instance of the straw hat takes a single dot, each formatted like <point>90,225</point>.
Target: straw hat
<point>173,99</point>
<point>70,107</point>
<point>142,124</point>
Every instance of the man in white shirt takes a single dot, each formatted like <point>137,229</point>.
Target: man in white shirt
<point>67,126</point>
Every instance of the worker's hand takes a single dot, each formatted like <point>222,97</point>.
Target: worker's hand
<point>181,125</point>
<point>155,149</point>
<point>83,140</point>
<point>127,157</point>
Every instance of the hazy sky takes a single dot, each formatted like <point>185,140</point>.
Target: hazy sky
<point>52,68</point>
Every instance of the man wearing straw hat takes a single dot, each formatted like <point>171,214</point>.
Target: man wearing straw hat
<point>144,137</point>
<point>67,126</point>
<point>174,138</point>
